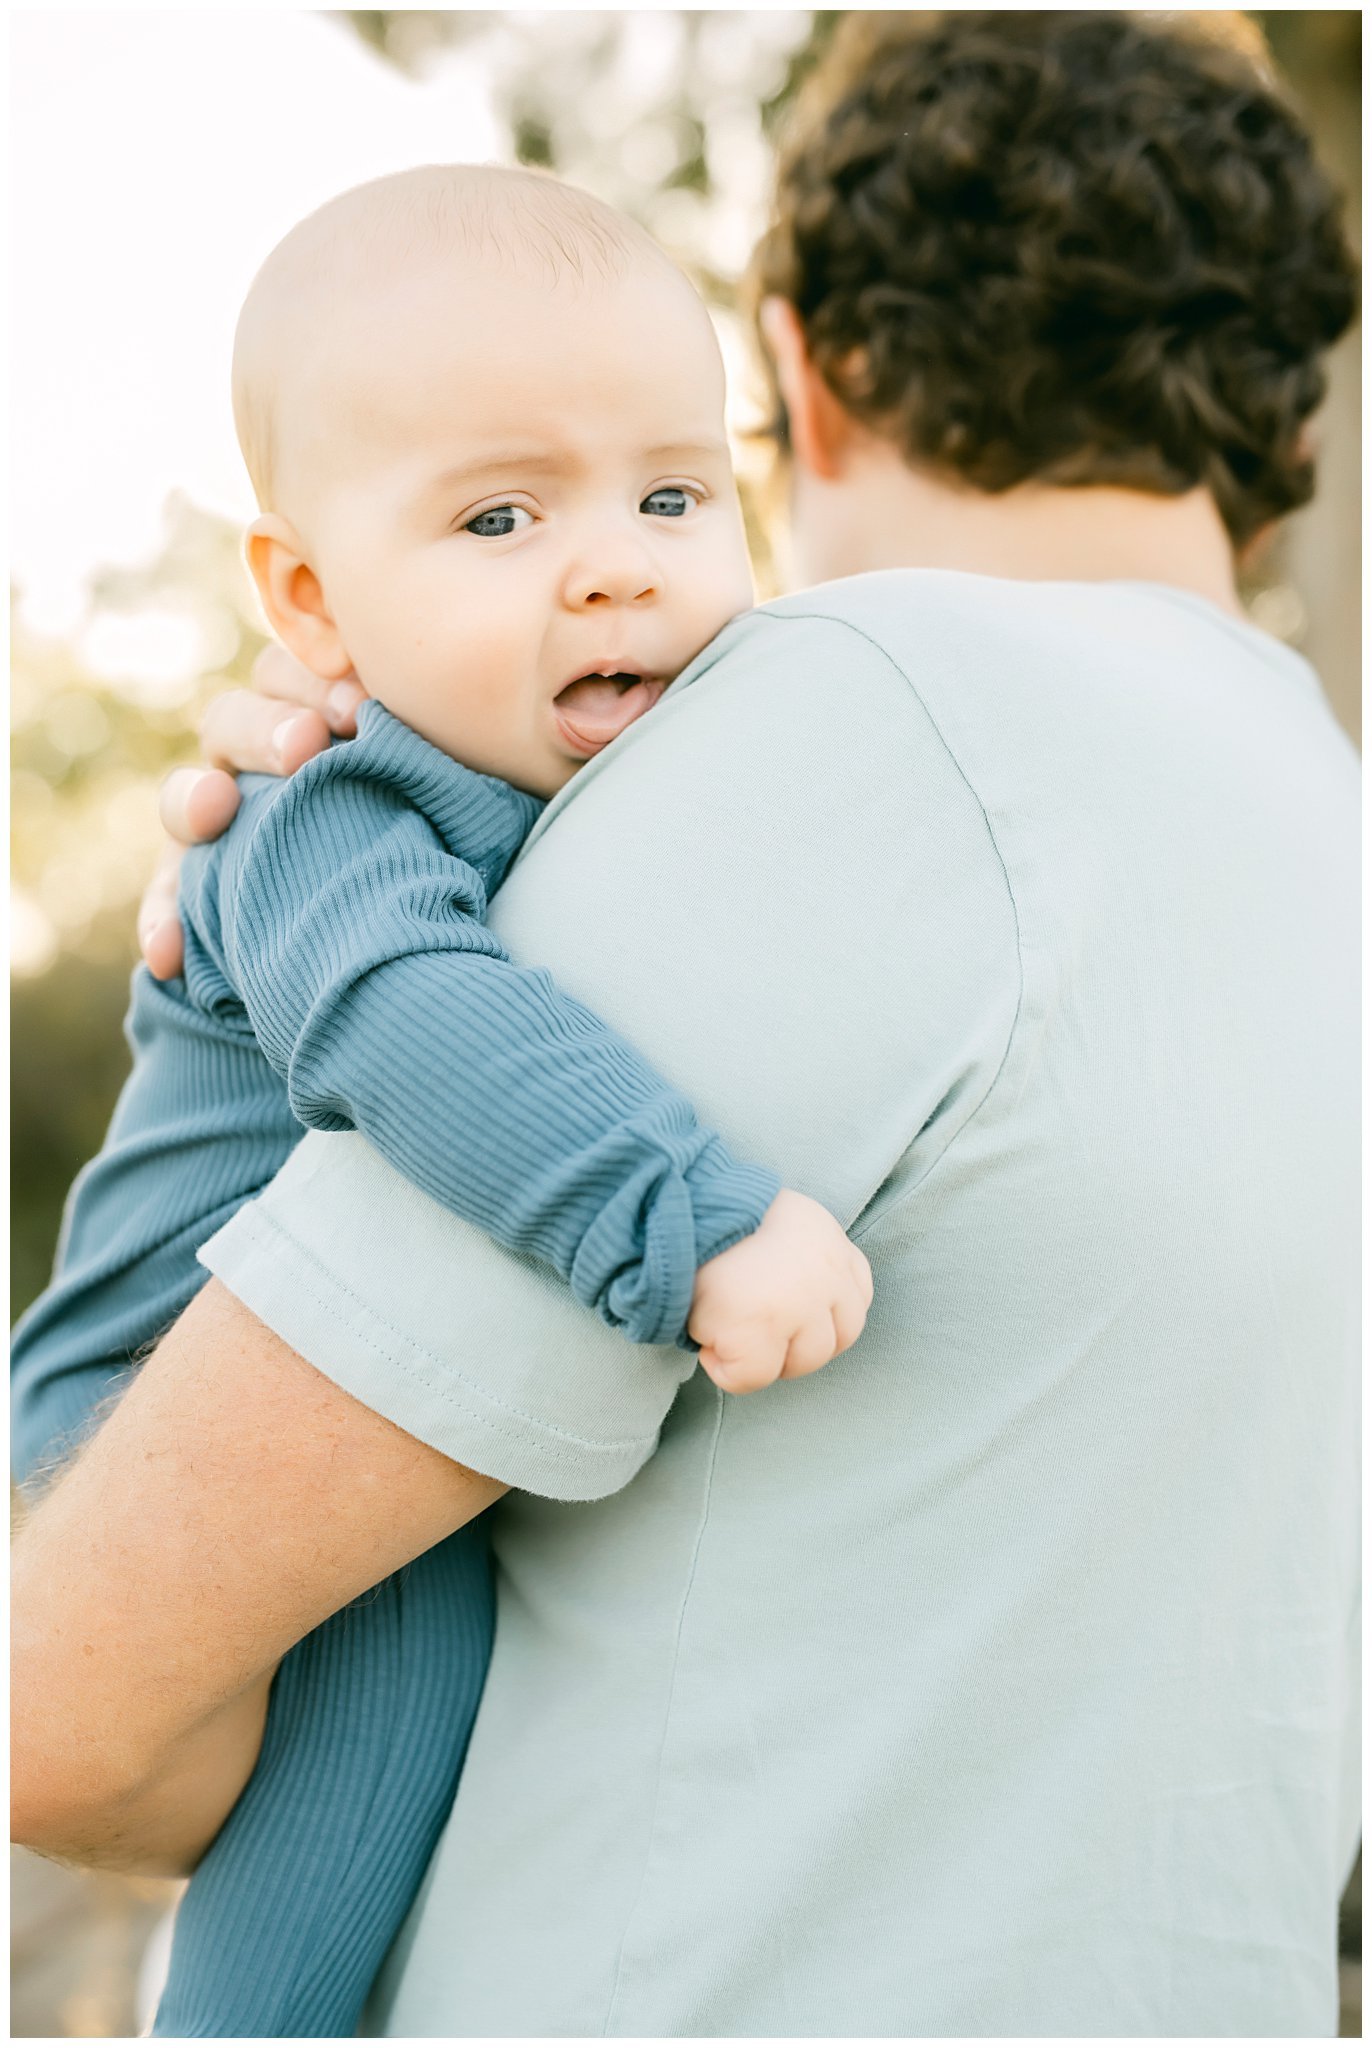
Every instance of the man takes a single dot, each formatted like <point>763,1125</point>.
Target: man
<point>1000,1679</point>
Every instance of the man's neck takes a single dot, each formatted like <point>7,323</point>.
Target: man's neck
<point>880,514</point>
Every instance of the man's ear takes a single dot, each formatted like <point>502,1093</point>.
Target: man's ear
<point>293,597</point>
<point>822,433</point>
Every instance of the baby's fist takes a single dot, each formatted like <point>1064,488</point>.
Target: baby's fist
<point>782,1302</point>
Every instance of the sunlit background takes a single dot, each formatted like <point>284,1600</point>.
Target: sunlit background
<point>156,157</point>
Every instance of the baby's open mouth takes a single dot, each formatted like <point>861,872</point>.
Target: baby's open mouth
<point>596,709</point>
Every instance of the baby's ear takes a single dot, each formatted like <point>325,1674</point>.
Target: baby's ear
<point>293,597</point>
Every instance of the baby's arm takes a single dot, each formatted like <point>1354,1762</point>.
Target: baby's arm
<point>349,915</point>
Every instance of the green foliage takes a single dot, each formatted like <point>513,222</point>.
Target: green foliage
<point>70,1061</point>
<point>88,751</point>
<point>667,114</point>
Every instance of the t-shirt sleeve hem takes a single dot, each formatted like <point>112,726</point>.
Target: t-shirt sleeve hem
<point>312,1308</point>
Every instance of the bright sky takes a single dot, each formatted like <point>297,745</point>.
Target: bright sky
<point>156,158</point>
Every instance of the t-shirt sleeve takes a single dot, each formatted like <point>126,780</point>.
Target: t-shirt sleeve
<point>782,889</point>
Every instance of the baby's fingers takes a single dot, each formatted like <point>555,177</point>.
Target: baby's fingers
<point>813,1345</point>
<point>852,1302</point>
<point>739,1370</point>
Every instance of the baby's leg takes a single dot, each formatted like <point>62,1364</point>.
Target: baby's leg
<point>290,1914</point>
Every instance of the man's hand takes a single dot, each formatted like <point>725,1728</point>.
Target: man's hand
<point>233,1500</point>
<point>781,1303</point>
<point>286,718</point>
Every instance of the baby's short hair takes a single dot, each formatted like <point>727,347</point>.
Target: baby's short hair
<point>525,221</point>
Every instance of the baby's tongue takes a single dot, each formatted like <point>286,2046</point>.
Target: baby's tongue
<point>595,710</point>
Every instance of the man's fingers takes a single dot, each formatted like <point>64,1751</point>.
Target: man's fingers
<point>249,734</point>
<point>287,716</point>
<point>159,928</point>
<point>196,804</point>
<point>277,674</point>
<point>164,949</point>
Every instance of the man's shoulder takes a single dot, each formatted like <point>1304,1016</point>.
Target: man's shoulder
<point>803,725</point>
<point>878,603</point>
<point>916,633</point>
<point>874,618</point>
<point>898,615</point>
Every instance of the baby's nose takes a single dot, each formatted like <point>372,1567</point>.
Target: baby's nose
<point>611,576</point>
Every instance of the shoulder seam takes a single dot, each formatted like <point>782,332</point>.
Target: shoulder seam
<point>859,632</point>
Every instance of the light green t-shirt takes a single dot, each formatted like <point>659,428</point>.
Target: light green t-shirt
<point>1000,1678</point>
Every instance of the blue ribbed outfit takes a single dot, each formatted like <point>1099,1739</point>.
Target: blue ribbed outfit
<point>340,975</point>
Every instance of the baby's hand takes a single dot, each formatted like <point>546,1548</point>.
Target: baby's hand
<point>782,1302</point>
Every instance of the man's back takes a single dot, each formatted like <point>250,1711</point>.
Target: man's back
<point>998,1679</point>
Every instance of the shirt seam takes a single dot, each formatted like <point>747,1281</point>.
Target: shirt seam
<point>667,1715</point>
<point>476,1400</point>
<point>832,619</point>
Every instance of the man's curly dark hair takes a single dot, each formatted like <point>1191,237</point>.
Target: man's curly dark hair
<point>1074,247</point>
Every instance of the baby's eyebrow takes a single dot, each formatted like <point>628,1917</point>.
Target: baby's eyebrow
<point>552,461</point>
<point>547,461</point>
<point>687,450</point>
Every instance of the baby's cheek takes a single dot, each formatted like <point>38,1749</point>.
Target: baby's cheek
<point>481,712</point>
<point>729,584</point>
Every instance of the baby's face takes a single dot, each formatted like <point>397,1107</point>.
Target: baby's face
<point>522,512</point>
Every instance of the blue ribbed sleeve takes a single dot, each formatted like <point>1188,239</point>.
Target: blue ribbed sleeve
<point>201,1125</point>
<point>345,914</point>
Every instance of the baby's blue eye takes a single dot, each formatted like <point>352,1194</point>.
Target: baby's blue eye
<point>672,503</point>
<point>498,521</point>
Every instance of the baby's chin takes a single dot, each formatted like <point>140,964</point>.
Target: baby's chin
<point>548,786</point>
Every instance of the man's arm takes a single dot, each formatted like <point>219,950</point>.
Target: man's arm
<point>234,1500</point>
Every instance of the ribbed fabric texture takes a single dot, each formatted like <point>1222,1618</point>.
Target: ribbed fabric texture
<point>339,974</point>
<point>290,1914</point>
<point>345,918</point>
<point>201,1125</point>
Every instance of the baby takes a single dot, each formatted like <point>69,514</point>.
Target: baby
<point>483,416</point>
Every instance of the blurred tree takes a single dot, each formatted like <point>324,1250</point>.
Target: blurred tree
<point>667,114</point>
<point>95,725</point>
